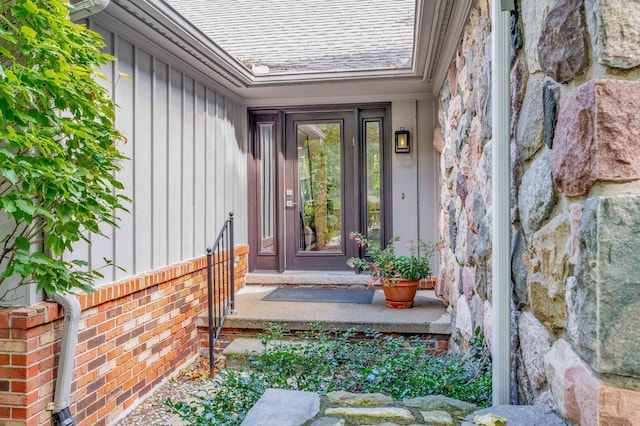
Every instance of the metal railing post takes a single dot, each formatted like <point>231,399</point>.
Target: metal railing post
<point>210,309</point>
<point>232,268</point>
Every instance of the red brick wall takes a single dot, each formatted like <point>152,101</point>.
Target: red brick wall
<point>133,334</point>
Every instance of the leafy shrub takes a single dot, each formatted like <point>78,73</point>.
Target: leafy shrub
<point>58,154</point>
<point>327,360</point>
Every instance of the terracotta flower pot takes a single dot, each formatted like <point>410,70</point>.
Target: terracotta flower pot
<point>400,293</point>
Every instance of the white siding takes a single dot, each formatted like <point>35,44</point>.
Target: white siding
<point>187,166</point>
<point>199,172</point>
<point>124,251</point>
<point>160,164</point>
<point>102,247</point>
<point>142,152</point>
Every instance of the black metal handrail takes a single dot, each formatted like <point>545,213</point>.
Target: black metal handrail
<point>220,283</point>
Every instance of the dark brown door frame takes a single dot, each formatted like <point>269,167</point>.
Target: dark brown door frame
<point>276,261</point>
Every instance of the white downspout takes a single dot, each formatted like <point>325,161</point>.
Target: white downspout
<point>500,181</point>
<point>61,414</point>
<point>68,344</point>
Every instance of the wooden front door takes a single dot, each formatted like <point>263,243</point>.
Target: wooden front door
<point>315,176</point>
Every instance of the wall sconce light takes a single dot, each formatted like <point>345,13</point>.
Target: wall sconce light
<point>402,141</point>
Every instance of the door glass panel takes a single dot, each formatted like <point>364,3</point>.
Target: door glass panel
<point>267,185</point>
<point>374,181</point>
<point>320,187</point>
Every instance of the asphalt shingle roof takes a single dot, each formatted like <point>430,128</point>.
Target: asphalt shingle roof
<point>291,36</point>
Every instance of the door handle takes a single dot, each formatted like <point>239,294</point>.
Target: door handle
<point>290,204</point>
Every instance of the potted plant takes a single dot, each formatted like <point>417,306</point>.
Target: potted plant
<point>397,274</point>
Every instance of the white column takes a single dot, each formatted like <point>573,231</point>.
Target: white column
<point>500,260</point>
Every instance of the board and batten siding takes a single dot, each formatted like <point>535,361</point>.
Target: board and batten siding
<point>187,170</point>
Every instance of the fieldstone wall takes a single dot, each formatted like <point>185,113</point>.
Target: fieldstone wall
<point>575,144</point>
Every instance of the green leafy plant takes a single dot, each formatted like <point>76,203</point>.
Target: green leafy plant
<point>58,154</point>
<point>386,265</point>
<point>324,360</point>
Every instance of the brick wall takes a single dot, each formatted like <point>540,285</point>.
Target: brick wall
<point>133,335</point>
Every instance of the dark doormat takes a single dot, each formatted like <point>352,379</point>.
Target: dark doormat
<point>319,295</point>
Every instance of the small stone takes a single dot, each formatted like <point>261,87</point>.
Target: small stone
<point>533,15</point>
<point>547,305</point>
<point>552,248</point>
<point>518,83</point>
<point>619,33</point>
<point>537,196</point>
<point>545,399</point>
<point>468,281</point>
<point>563,49</point>
<point>535,342</point>
<point>596,137</point>
<point>521,415</point>
<point>348,398</point>
<point>607,284</point>
<point>573,301</point>
<point>488,323</point>
<point>437,418</point>
<point>461,187</point>
<point>530,128</point>
<point>453,227</point>
<point>483,246</point>
<point>551,97</point>
<point>440,403</point>
<point>283,408</point>
<point>464,323</point>
<point>328,421</point>
<point>618,406</point>
<point>516,32</point>
<point>572,383</point>
<point>360,415</point>
<point>438,140</point>
<point>519,272</point>
<point>575,213</point>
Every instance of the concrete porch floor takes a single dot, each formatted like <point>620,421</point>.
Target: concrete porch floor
<point>428,315</point>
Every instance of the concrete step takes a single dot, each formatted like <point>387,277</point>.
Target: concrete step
<point>245,346</point>
<point>313,278</point>
<point>428,315</point>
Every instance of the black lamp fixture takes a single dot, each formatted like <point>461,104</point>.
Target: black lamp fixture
<point>403,141</point>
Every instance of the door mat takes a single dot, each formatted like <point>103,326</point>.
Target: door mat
<point>319,295</point>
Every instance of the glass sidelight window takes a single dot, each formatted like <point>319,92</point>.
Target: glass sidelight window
<point>267,177</point>
<point>320,187</point>
<point>373,172</point>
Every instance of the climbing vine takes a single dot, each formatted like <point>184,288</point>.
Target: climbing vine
<point>58,146</point>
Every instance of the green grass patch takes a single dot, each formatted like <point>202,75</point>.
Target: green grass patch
<point>327,360</point>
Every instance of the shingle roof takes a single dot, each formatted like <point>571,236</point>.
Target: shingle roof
<point>291,36</point>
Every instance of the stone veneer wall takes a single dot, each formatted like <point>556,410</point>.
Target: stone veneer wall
<point>133,335</point>
<point>575,144</point>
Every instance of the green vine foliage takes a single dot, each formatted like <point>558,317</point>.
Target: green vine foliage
<point>325,360</point>
<point>58,146</point>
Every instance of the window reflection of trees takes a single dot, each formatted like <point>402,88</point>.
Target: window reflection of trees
<point>320,174</point>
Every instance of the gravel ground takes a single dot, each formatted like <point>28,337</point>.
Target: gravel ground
<point>153,411</point>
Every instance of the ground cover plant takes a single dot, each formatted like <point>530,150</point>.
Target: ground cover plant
<point>326,360</point>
